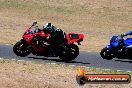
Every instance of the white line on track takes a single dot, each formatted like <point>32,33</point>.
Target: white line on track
<point>1,58</point>
<point>6,44</point>
<point>53,63</point>
<point>13,59</point>
<point>21,60</point>
<point>72,65</point>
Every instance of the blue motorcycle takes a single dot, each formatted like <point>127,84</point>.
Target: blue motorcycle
<point>119,47</point>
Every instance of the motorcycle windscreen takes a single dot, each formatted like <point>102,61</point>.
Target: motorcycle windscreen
<point>113,41</point>
<point>114,44</point>
<point>32,31</point>
<point>128,41</point>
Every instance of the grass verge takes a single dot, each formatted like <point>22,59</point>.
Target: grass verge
<point>31,74</point>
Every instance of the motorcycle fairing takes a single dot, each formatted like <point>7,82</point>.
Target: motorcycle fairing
<point>130,46</point>
<point>72,37</point>
<point>113,42</point>
<point>128,41</point>
<point>109,46</point>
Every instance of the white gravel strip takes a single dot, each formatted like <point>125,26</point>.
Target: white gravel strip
<point>64,64</point>
<point>1,58</point>
<point>21,60</point>
<point>53,63</point>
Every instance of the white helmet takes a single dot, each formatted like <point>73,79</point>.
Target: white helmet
<point>48,26</point>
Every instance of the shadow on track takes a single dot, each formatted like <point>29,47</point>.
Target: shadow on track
<point>129,61</point>
<point>58,60</point>
<point>90,59</point>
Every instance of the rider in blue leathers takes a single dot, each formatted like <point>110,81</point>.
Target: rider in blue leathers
<point>127,33</point>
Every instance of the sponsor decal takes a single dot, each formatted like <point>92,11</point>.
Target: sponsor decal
<point>83,78</point>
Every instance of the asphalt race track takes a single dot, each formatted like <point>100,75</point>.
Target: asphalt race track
<point>90,59</point>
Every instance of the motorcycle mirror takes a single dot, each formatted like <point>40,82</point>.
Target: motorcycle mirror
<point>34,23</point>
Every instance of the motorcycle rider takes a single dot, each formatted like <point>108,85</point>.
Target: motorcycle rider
<point>125,34</point>
<point>128,33</point>
<point>57,35</point>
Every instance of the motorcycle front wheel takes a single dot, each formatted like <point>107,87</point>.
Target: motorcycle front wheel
<point>106,54</point>
<point>21,48</point>
<point>69,53</point>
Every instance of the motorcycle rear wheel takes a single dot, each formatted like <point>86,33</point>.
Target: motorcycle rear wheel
<point>69,53</point>
<point>106,54</point>
<point>21,48</point>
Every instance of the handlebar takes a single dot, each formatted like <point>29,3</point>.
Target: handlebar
<point>119,38</point>
<point>34,23</point>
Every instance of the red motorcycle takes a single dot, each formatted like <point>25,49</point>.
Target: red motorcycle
<point>66,51</point>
